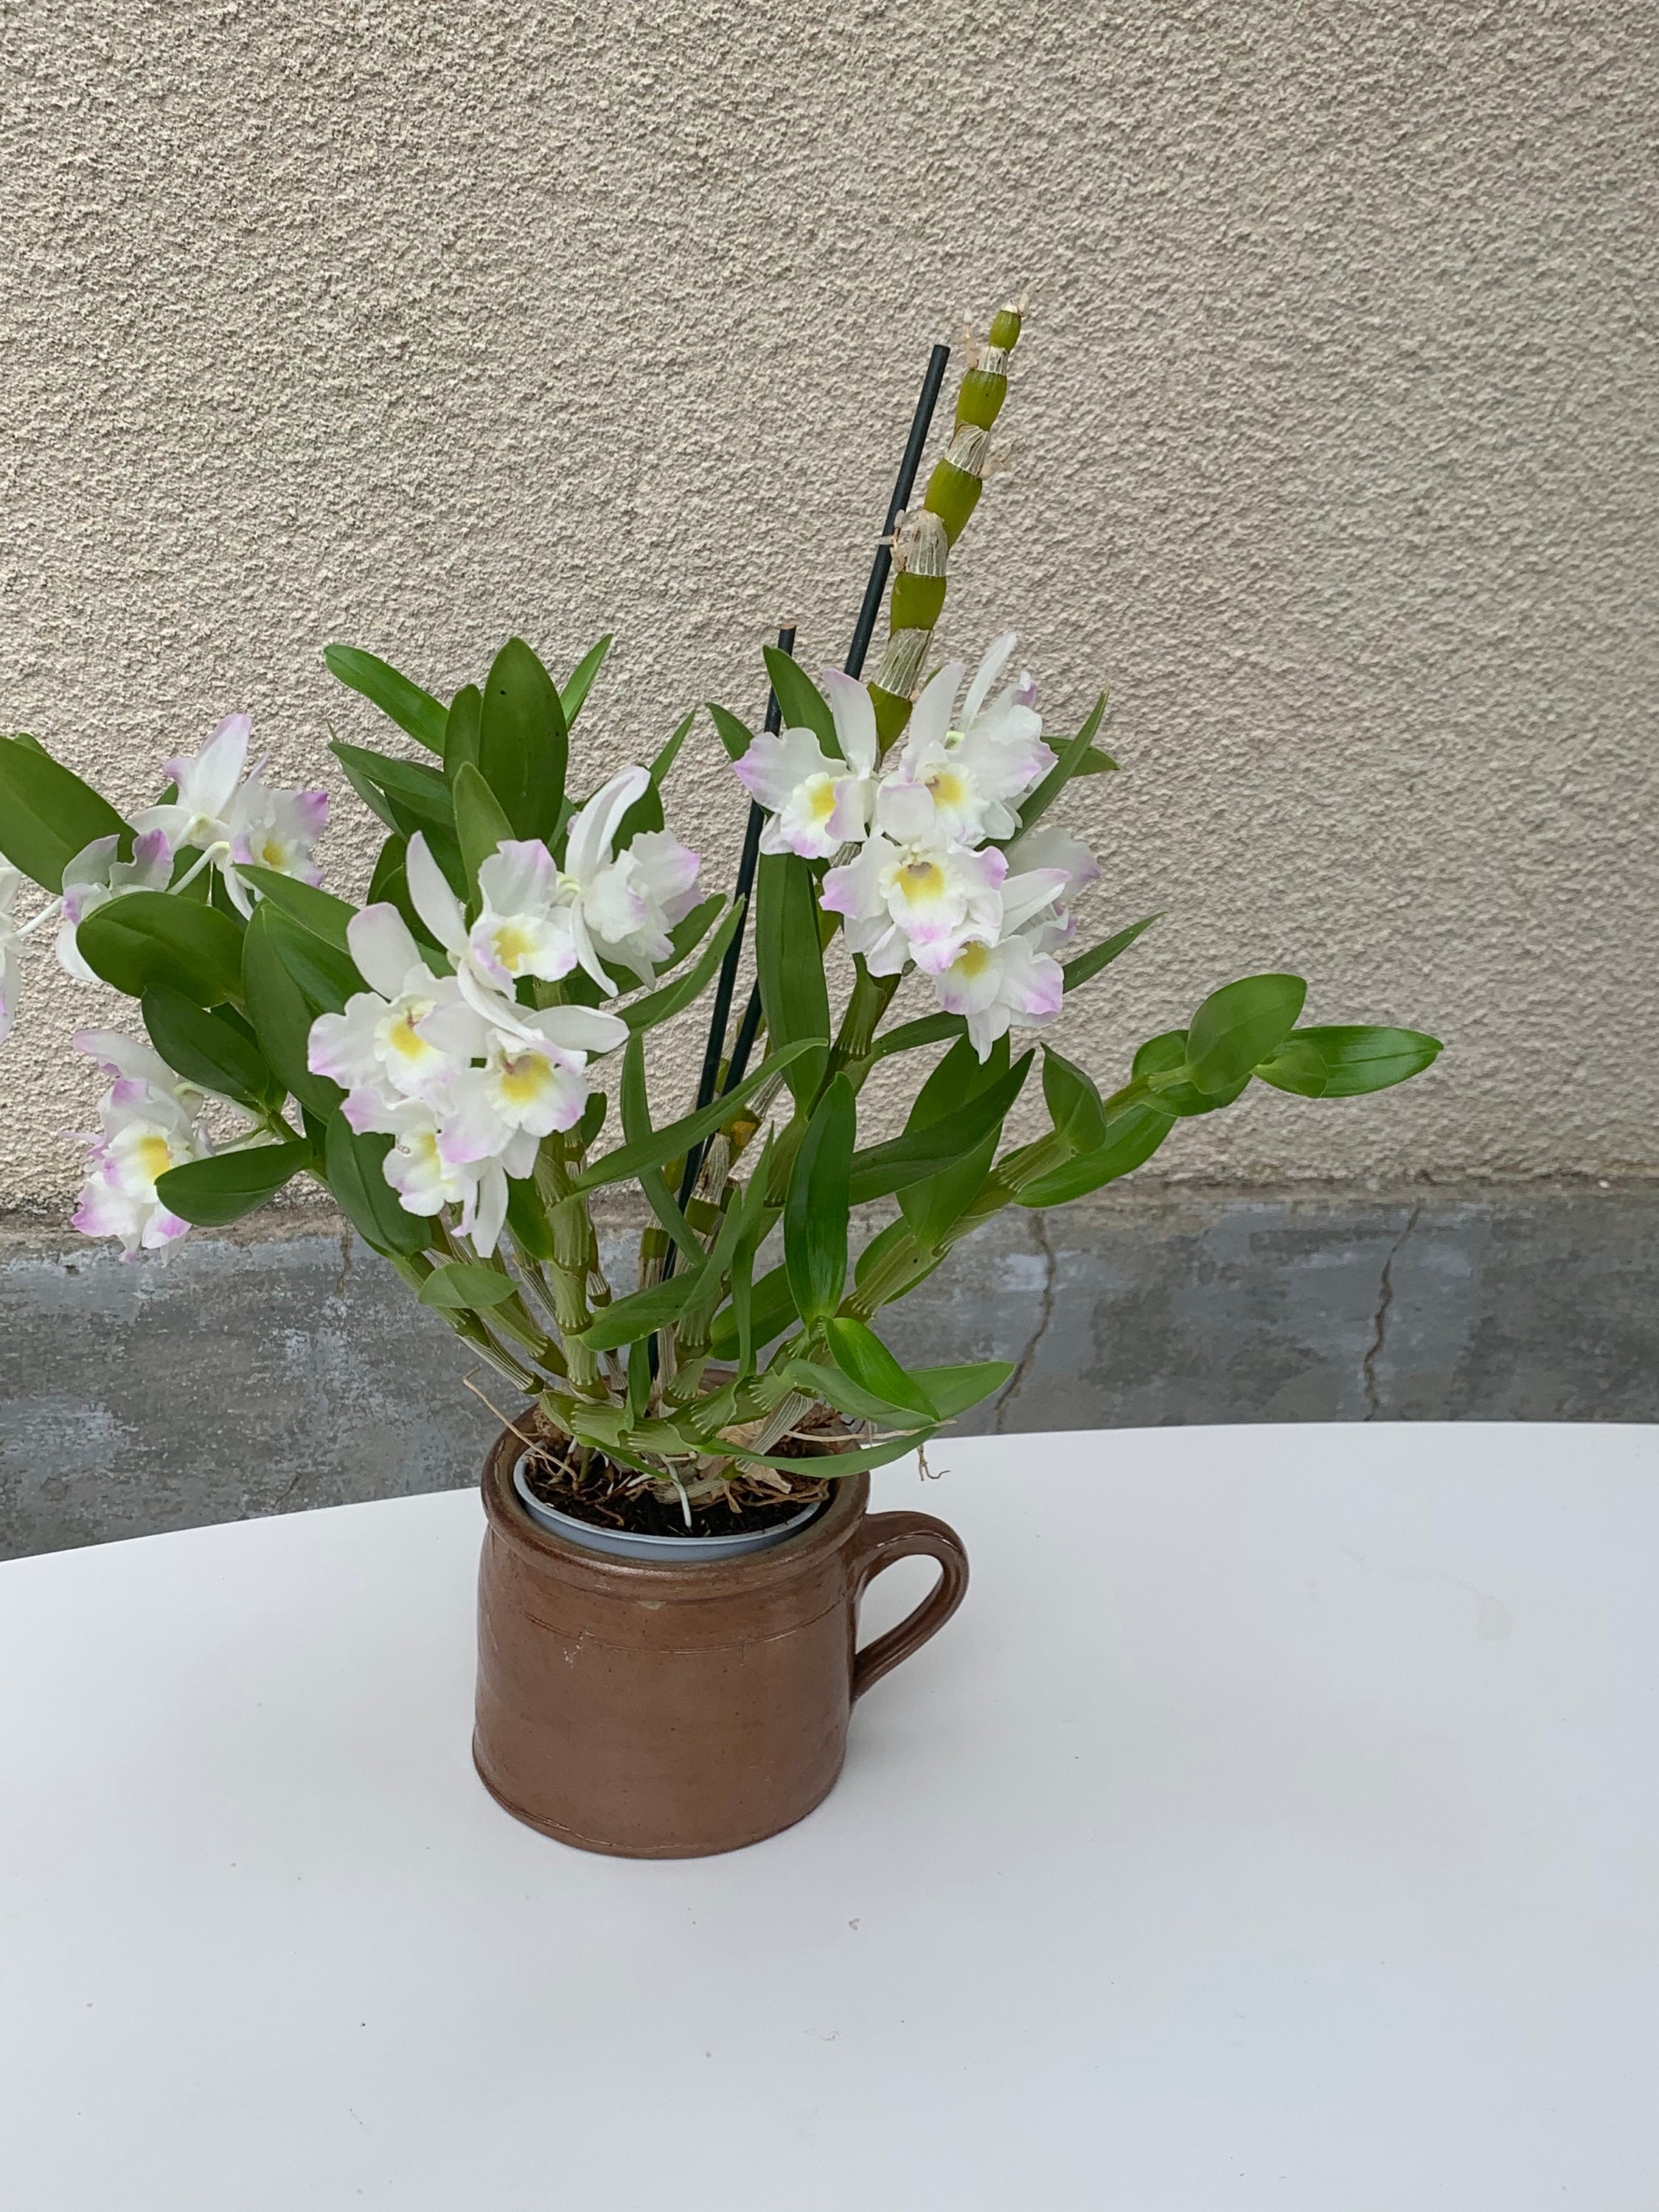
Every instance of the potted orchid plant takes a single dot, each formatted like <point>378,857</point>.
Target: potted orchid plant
<point>698,1442</point>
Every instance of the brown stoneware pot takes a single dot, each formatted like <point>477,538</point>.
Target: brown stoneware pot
<point>669,1712</point>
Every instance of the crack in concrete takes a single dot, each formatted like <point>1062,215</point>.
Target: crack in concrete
<point>345,1263</point>
<point>1011,1389</point>
<point>1384,1300</point>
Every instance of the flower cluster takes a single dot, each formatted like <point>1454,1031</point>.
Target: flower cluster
<point>464,1079</point>
<point>939,879</point>
<point>150,1121</point>
<point>223,815</point>
<point>234,819</point>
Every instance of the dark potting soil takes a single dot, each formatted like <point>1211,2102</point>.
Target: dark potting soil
<point>600,1498</point>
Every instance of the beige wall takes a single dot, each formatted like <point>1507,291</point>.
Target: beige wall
<point>414,326</point>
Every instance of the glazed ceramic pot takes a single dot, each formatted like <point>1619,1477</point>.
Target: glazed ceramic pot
<point>662,1709</point>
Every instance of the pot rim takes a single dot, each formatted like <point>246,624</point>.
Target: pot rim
<point>677,1578</point>
<point>636,1543</point>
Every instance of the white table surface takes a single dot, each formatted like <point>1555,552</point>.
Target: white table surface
<point>1276,1826</point>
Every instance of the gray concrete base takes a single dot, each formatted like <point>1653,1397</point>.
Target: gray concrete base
<point>287,1367</point>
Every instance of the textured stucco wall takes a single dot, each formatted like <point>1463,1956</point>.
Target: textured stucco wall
<point>415,324</point>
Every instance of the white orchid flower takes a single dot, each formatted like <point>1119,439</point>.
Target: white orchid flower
<point>922,899</point>
<point>426,1176</point>
<point>94,877</point>
<point>532,1080</point>
<point>625,906</point>
<point>425,1179</point>
<point>995,986</point>
<point>976,765</point>
<point>150,1121</point>
<point>526,927</point>
<point>540,920</point>
<point>1048,846</point>
<point>1013,980</point>
<point>274,829</point>
<point>11,968</point>
<point>230,818</point>
<point>207,783</point>
<point>817,804</point>
<point>377,1042</point>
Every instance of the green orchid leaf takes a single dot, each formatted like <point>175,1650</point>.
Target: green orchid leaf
<point>628,1320</point>
<point>282,1017</point>
<point>404,794</point>
<point>1297,1066</point>
<point>579,682</point>
<point>217,1051</point>
<point>464,1286</point>
<point>1161,1069</point>
<point>389,886</point>
<point>1132,1135</point>
<point>327,976</point>
<point>212,1192</point>
<point>755,1219</point>
<point>886,1167</point>
<point>861,1354</point>
<point>954,1390</point>
<point>1096,762</point>
<point>933,1205</point>
<point>772,1310</point>
<point>480,825</point>
<point>673,1142</point>
<point>1074,1104</point>
<point>527,1218</point>
<point>1239,1025</point>
<point>1089,964</point>
<point>816,1208</point>
<point>670,753</point>
<point>832,1465</point>
<point>47,815</point>
<point>690,930</point>
<point>1347,1061</point>
<point>831,1386</point>
<point>789,964</point>
<point>1070,763</point>
<point>148,937</point>
<point>800,702</point>
<point>524,742</point>
<point>911,1036</point>
<point>462,729</point>
<point>736,736</point>
<point>416,713</point>
<point>319,911</point>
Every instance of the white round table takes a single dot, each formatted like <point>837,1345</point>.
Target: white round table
<point>1276,1826</point>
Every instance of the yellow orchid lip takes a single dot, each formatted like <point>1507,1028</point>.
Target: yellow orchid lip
<point>921,881</point>
<point>155,1155</point>
<point>400,1035</point>
<point>820,798</point>
<point>524,1078</point>
<point>512,945</point>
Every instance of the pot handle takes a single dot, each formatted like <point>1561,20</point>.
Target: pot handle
<point>883,1538</point>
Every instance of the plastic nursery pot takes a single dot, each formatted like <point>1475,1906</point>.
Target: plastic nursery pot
<point>675,1708</point>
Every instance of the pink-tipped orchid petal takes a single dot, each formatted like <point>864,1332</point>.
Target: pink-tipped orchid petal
<point>930,718</point>
<point>995,661</point>
<point>593,829</point>
<point>384,950</point>
<point>855,719</point>
<point>432,898</point>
